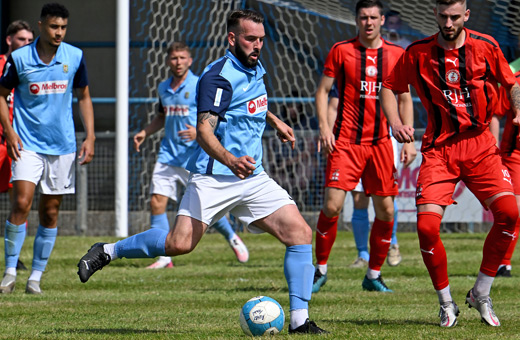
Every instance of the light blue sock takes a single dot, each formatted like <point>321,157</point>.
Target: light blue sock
<point>394,236</point>
<point>361,231</point>
<point>299,273</point>
<point>42,248</point>
<point>160,221</point>
<point>223,227</point>
<point>147,244</point>
<point>13,242</point>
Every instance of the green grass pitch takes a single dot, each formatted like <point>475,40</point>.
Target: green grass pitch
<point>201,296</point>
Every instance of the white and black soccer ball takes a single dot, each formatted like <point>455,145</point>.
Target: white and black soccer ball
<point>262,315</point>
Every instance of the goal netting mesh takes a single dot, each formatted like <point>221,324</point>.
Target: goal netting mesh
<point>299,36</point>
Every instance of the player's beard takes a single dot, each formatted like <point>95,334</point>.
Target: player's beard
<point>453,37</point>
<point>244,58</point>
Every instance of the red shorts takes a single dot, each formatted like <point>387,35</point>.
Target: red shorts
<point>5,169</point>
<point>512,163</point>
<point>374,164</point>
<point>470,157</point>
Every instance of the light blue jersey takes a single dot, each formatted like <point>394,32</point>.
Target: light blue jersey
<point>180,108</point>
<point>238,96</point>
<point>43,97</point>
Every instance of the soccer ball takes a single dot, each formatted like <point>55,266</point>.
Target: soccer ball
<point>262,315</point>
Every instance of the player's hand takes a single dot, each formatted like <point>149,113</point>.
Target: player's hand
<point>243,167</point>
<point>189,134</point>
<point>403,133</point>
<point>86,152</point>
<point>516,120</point>
<point>14,145</point>
<point>286,134</point>
<point>408,154</point>
<point>327,141</point>
<point>139,139</point>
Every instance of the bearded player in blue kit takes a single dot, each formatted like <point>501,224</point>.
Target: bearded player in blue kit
<point>227,173</point>
<point>177,114</point>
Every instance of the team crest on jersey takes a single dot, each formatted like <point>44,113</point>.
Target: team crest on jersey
<point>453,76</point>
<point>65,68</point>
<point>257,105</point>
<point>335,176</point>
<point>371,71</point>
<point>186,95</point>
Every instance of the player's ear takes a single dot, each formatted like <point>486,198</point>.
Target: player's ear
<point>466,15</point>
<point>231,38</point>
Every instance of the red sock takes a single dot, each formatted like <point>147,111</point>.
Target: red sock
<point>380,238</point>
<point>502,234</point>
<point>326,231</point>
<point>432,249</point>
<point>506,261</point>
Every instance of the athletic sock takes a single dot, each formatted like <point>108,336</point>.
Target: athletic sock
<point>298,317</point>
<point>482,285</point>
<point>444,295</point>
<point>10,271</point>
<point>150,243</point>
<point>43,245</point>
<point>502,233</point>
<point>394,230</point>
<point>373,274</point>
<point>322,268</point>
<point>361,232</point>
<point>13,242</point>
<point>299,273</point>
<point>110,249</point>
<point>223,227</point>
<point>380,238</point>
<point>160,221</point>
<point>36,275</point>
<point>326,231</point>
<point>432,249</point>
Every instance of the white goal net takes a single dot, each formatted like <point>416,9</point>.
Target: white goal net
<point>299,36</point>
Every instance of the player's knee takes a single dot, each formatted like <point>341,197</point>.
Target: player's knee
<point>428,228</point>
<point>505,211</point>
<point>332,209</point>
<point>298,234</point>
<point>176,246</point>
<point>21,204</point>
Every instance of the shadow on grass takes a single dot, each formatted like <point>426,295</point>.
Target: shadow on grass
<point>383,322</point>
<point>104,331</point>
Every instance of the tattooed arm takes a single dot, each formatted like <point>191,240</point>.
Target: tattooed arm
<point>242,167</point>
<point>515,103</point>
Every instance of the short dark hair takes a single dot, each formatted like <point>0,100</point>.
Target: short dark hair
<point>54,10</point>
<point>368,4</point>
<point>178,46</point>
<point>17,26</point>
<point>233,20</point>
<point>449,2</point>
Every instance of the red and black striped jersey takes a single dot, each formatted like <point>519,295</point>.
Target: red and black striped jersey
<point>509,141</point>
<point>359,73</point>
<point>457,87</point>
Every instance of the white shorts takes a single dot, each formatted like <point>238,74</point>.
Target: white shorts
<point>209,197</point>
<point>359,186</point>
<point>55,174</point>
<point>166,178</point>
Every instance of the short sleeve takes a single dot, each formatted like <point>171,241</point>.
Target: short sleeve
<point>81,78</point>
<point>397,80</point>
<point>9,78</point>
<point>331,63</point>
<point>214,94</point>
